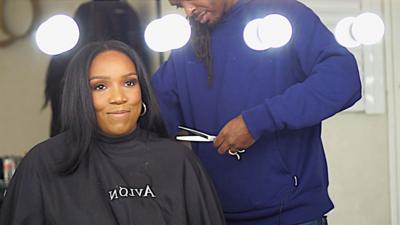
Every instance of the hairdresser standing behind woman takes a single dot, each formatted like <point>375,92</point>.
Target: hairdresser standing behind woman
<point>266,107</point>
<point>111,165</point>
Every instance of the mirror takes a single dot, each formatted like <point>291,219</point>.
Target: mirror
<point>359,143</point>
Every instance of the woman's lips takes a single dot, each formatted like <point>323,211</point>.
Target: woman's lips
<point>119,113</point>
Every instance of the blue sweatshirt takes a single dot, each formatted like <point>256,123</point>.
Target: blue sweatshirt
<point>283,94</point>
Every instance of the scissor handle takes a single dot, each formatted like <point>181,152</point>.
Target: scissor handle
<point>236,153</point>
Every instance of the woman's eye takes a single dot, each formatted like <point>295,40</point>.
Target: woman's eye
<point>130,82</point>
<point>99,87</point>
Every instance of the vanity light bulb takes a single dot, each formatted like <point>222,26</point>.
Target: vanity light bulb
<point>272,31</point>
<point>56,35</point>
<point>179,30</point>
<point>368,28</point>
<point>275,30</point>
<point>170,32</point>
<point>153,36</point>
<point>343,33</point>
<point>251,37</point>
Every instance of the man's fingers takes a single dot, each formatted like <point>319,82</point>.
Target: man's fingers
<point>222,149</point>
<point>220,139</point>
<point>217,142</point>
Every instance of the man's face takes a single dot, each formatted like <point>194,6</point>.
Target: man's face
<point>204,11</point>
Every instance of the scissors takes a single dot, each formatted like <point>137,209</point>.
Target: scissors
<point>203,137</point>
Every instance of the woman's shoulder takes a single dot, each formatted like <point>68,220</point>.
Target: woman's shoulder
<point>173,154</point>
<point>46,151</point>
<point>168,146</point>
<point>170,142</point>
<point>50,144</point>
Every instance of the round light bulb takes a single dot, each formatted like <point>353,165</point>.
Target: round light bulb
<point>56,35</point>
<point>154,36</point>
<point>178,30</point>
<point>251,37</point>
<point>275,30</point>
<point>343,33</point>
<point>368,28</point>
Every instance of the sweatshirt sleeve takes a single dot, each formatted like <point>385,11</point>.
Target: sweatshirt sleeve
<point>164,85</point>
<point>202,203</point>
<point>332,80</point>
<point>23,200</point>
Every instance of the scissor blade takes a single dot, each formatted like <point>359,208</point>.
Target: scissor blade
<point>193,138</point>
<point>195,131</point>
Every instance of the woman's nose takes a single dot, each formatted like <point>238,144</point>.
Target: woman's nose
<point>118,96</point>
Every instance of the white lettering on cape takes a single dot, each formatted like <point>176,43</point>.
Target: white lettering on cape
<point>129,192</point>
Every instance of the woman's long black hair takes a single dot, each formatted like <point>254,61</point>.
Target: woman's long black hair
<point>77,112</point>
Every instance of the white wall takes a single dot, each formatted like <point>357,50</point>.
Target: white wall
<point>356,144</point>
<point>392,16</point>
<point>356,148</point>
<point>23,68</point>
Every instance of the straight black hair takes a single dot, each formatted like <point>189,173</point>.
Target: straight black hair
<point>77,111</point>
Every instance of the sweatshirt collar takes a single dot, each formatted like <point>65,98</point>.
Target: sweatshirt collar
<point>101,137</point>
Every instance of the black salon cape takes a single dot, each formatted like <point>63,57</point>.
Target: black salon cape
<point>138,179</point>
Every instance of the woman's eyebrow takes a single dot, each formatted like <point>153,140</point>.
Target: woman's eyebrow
<point>130,74</point>
<point>107,77</point>
<point>98,77</point>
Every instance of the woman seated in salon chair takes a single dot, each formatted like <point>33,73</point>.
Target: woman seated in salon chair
<point>112,163</point>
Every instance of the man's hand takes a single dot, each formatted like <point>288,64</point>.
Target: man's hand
<point>234,136</point>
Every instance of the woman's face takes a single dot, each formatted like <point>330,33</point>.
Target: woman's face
<point>116,92</point>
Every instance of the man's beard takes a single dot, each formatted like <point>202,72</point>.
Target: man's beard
<point>201,43</point>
